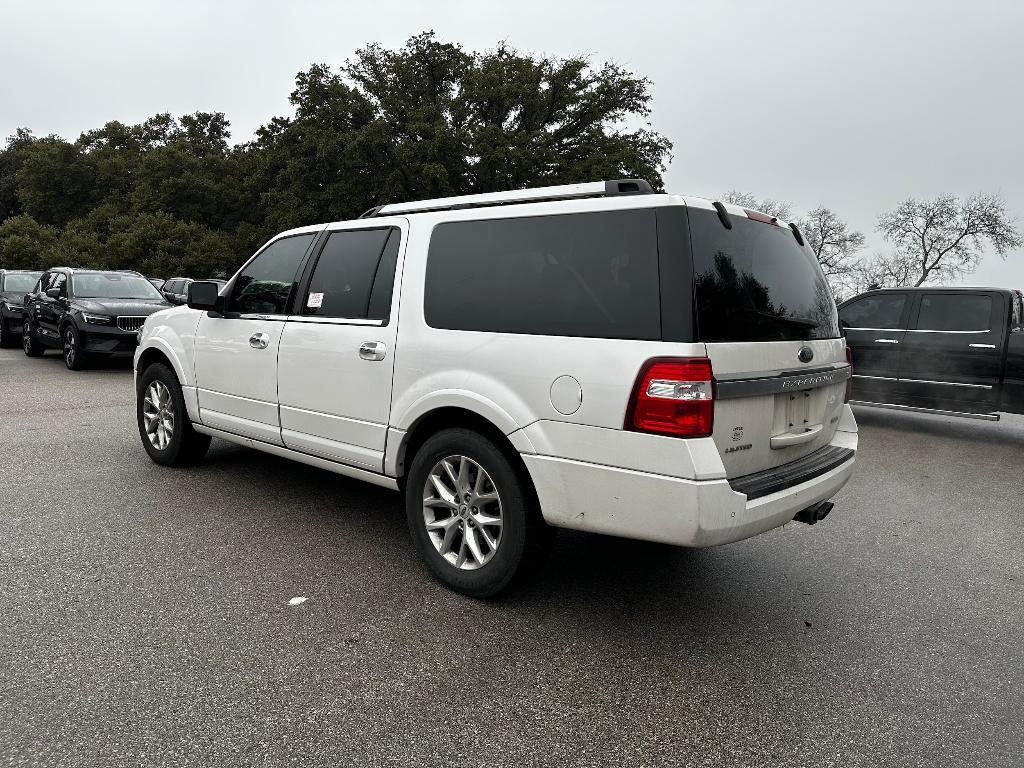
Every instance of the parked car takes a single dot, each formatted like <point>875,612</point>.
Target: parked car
<point>940,350</point>
<point>591,356</point>
<point>157,282</point>
<point>14,284</point>
<point>88,313</point>
<point>175,290</point>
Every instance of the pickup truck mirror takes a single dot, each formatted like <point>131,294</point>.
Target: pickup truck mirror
<point>53,293</point>
<point>203,295</point>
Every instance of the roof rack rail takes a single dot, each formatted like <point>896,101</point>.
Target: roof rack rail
<point>612,188</point>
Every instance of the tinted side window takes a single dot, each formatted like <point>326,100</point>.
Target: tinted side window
<point>955,312</point>
<point>585,274</point>
<point>884,310</point>
<point>267,284</point>
<point>343,277</point>
<point>384,282</point>
<point>60,280</point>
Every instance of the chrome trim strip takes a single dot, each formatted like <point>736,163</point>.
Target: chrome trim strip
<point>982,346</point>
<point>932,411</point>
<point>334,320</point>
<point>791,382</point>
<point>947,383</point>
<point>257,316</point>
<point>922,330</point>
<point>922,381</point>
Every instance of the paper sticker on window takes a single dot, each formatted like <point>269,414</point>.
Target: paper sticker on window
<point>315,301</point>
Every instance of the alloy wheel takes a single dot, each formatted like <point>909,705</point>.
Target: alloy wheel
<point>26,338</point>
<point>70,348</point>
<point>462,512</point>
<point>158,415</point>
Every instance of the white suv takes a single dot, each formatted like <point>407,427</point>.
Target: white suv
<point>591,356</point>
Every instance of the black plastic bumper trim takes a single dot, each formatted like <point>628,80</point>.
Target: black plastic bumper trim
<point>796,472</point>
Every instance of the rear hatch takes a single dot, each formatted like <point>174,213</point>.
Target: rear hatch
<point>768,319</point>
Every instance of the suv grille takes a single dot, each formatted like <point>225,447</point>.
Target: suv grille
<point>130,323</point>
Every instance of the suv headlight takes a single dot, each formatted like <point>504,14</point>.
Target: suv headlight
<point>97,319</point>
<point>13,307</point>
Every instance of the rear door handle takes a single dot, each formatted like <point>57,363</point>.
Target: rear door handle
<point>259,341</point>
<point>372,350</point>
<point>886,341</point>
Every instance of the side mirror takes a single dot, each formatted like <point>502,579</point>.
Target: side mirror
<point>203,295</point>
<point>53,293</point>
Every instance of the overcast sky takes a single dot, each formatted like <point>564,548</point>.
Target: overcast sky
<point>853,105</point>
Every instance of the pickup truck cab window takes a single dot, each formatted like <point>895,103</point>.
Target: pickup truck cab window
<point>881,311</point>
<point>954,312</point>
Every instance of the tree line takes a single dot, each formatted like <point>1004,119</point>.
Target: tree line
<point>172,195</point>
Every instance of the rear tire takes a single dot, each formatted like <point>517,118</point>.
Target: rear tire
<point>29,343</point>
<point>472,514</point>
<point>164,426</point>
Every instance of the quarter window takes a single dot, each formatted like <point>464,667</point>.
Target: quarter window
<point>587,274</point>
<point>345,273</point>
<point>955,312</point>
<point>881,311</point>
<point>268,283</point>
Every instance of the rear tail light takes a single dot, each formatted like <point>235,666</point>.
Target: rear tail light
<point>849,380</point>
<point>673,396</point>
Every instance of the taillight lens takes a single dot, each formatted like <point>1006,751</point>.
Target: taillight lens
<point>673,396</point>
<point>849,381</point>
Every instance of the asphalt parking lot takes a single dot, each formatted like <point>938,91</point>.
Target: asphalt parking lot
<point>146,616</point>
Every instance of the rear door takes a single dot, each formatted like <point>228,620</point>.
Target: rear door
<point>771,331</point>
<point>337,352</point>
<point>1013,378</point>
<point>953,352</point>
<point>875,328</point>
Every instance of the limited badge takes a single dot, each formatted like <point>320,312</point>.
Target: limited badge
<point>315,300</point>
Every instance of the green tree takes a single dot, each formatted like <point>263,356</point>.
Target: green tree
<point>25,243</point>
<point>11,157</point>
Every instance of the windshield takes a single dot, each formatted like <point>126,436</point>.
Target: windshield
<point>113,286</point>
<point>20,283</point>
<point>755,282</point>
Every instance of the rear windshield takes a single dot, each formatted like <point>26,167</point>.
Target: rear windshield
<point>19,283</point>
<point>754,282</point>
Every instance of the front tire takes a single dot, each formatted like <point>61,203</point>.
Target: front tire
<point>164,426</point>
<point>74,355</point>
<point>29,343</point>
<point>471,513</point>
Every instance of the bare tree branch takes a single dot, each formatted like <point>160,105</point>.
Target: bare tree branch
<point>777,208</point>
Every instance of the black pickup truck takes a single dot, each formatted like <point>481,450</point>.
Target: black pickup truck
<point>957,351</point>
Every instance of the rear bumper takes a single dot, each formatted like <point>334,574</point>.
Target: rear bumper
<point>692,513</point>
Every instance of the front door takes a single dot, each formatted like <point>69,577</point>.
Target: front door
<point>338,351</point>
<point>875,328</point>
<point>236,354</point>
<point>953,355</point>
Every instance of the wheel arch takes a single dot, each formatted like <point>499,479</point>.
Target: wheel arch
<point>158,351</point>
<point>453,417</point>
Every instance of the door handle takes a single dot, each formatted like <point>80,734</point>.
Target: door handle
<point>259,341</point>
<point>886,341</point>
<point>982,346</point>
<point>372,350</point>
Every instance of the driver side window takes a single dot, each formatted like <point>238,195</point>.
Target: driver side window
<point>267,285</point>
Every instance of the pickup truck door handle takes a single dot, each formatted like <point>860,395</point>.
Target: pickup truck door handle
<point>372,350</point>
<point>982,346</point>
<point>259,341</point>
<point>886,341</point>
